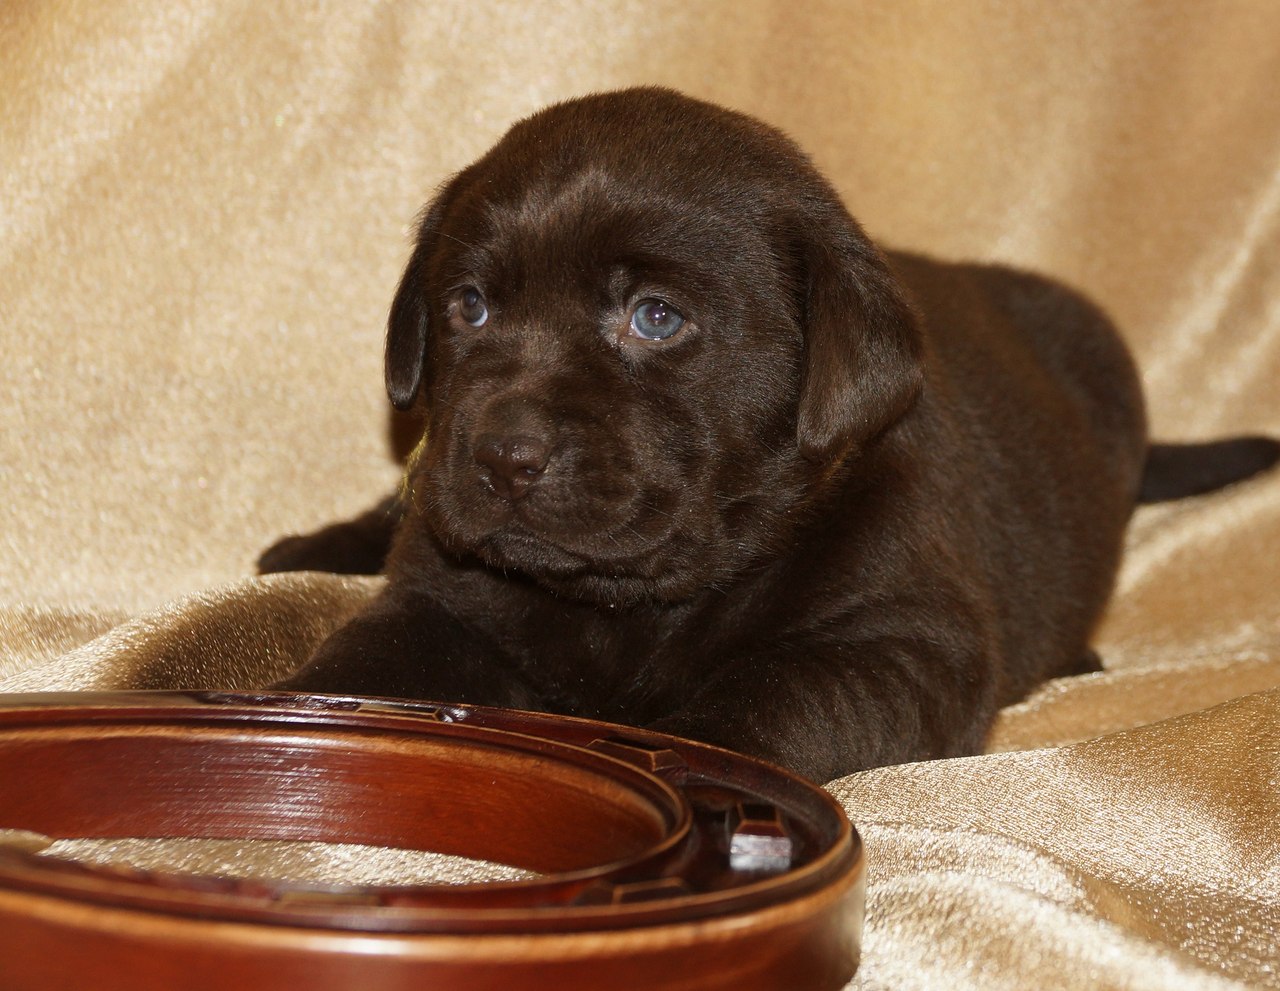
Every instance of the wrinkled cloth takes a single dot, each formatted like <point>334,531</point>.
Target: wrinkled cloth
<point>204,207</point>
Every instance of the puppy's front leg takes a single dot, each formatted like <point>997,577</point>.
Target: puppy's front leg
<point>352,547</point>
<point>403,645</point>
<point>824,710</point>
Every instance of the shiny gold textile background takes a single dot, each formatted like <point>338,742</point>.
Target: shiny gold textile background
<point>204,205</point>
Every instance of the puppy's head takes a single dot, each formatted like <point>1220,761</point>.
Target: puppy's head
<point>643,329</point>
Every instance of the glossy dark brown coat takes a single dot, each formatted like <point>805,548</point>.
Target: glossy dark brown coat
<point>856,504</point>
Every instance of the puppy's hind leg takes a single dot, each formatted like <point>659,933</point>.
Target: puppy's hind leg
<point>353,547</point>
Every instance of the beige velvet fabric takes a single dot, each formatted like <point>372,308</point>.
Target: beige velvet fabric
<point>204,206</point>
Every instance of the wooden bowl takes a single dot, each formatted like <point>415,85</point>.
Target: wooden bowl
<point>663,863</point>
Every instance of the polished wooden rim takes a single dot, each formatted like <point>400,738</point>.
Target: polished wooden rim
<point>648,848</point>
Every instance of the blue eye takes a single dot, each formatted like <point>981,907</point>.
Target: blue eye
<point>472,308</point>
<point>655,320</point>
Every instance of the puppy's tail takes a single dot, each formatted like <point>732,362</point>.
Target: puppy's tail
<point>1175,471</point>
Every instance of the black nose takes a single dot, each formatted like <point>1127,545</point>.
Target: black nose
<point>511,464</point>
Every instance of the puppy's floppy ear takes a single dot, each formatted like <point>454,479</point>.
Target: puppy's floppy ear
<point>405,358</point>
<point>861,368</point>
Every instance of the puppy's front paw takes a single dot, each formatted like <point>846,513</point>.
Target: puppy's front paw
<point>343,548</point>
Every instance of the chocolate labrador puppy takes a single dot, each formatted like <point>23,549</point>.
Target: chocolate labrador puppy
<point>699,457</point>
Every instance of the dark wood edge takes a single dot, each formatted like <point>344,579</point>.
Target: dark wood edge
<point>713,835</point>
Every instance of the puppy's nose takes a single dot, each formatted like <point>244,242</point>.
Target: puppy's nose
<point>511,464</point>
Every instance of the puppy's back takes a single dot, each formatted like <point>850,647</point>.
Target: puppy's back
<point>1045,405</point>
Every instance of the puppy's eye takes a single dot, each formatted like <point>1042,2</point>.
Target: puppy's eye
<point>471,307</point>
<point>655,320</point>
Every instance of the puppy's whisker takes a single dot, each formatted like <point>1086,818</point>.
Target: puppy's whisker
<point>649,507</point>
<point>456,240</point>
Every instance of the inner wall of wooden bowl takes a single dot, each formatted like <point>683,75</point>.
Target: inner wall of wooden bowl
<point>285,861</point>
<point>409,791</point>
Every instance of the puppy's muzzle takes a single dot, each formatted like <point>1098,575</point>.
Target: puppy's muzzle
<point>511,465</point>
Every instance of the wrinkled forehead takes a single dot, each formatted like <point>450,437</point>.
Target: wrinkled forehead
<point>544,229</point>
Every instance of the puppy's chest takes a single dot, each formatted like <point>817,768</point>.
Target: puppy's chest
<point>628,665</point>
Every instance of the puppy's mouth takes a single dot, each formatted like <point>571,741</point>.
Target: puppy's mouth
<point>641,548</point>
<point>606,515</point>
<point>619,546</point>
<point>618,551</point>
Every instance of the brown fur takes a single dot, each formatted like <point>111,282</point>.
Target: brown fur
<point>858,503</point>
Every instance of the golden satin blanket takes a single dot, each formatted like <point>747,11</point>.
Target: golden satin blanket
<point>203,213</point>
